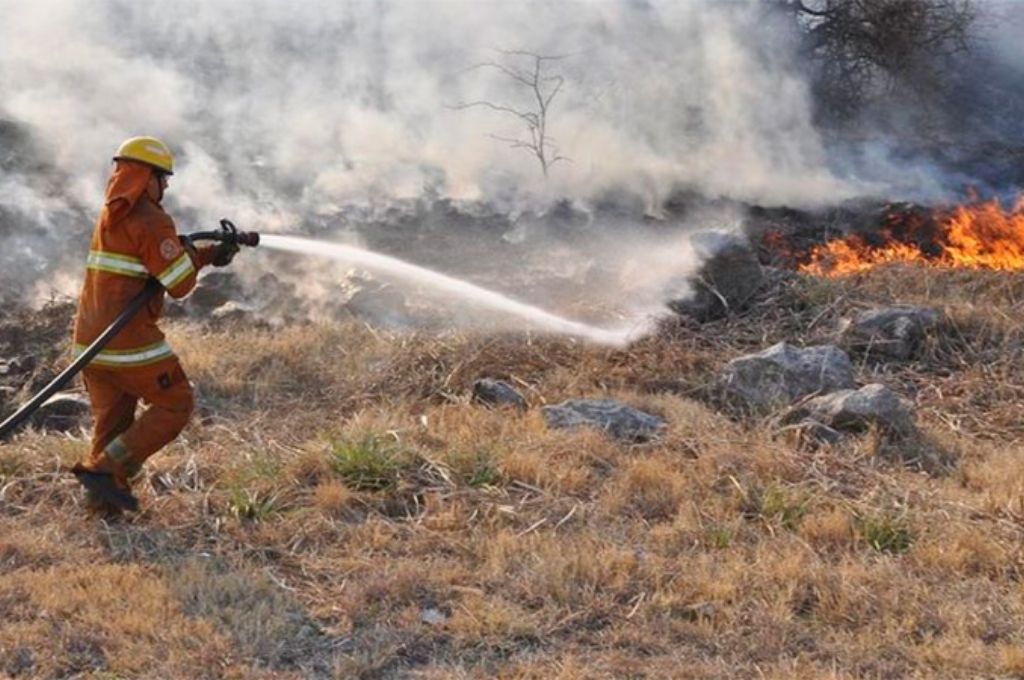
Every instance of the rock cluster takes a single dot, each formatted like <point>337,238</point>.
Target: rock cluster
<point>618,420</point>
<point>810,389</point>
<point>813,388</point>
<point>783,373</point>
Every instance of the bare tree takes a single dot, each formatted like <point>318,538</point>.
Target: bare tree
<point>865,47</point>
<point>541,89</point>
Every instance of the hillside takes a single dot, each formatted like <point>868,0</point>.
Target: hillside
<point>341,507</point>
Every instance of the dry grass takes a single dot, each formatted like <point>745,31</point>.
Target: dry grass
<point>342,509</point>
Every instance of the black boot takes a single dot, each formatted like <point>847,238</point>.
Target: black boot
<point>101,488</point>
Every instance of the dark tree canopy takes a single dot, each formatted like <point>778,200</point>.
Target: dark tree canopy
<point>865,49</point>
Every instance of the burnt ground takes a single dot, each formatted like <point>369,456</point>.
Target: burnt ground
<point>33,348</point>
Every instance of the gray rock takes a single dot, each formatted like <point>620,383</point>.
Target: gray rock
<point>64,411</point>
<point>497,393</point>
<point>852,411</point>
<point>725,282</point>
<point>620,421</point>
<point>897,332</point>
<point>783,373</point>
<point>232,312</point>
<point>433,616</point>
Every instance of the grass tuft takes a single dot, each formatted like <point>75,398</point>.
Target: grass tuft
<point>719,536</point>
<point>371,463</point>
<point>776,505</point>
<point>474,467</point>
<point>887,532</point>
<point>252,504</point>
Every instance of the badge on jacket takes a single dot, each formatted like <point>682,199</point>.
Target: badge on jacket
<point>170,249</point>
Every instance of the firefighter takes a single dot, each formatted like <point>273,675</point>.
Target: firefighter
<point>134,239</point>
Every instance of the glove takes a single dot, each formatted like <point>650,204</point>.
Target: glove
<point>187,244</point>
<point>223,253</point>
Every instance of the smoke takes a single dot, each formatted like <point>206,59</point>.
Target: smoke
<point>288,116</point>
<point>329,102</point>
<point>950,126</point>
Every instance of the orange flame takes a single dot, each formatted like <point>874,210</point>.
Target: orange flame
<point>976,236</point>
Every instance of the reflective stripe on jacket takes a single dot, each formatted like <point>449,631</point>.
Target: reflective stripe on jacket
<point>133,239</point>
<point>129,358</point>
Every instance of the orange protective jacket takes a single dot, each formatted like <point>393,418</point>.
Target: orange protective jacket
<point>134,239</point>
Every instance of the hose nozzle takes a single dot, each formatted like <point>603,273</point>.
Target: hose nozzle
<point>229,233</point>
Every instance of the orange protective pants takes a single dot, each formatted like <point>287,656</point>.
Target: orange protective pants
<point>121,443</point>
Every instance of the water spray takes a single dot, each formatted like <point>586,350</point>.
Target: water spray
<point>228,233</point>
<point>538,318</point>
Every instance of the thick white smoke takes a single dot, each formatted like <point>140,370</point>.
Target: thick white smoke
<point>302,106</point>
<point>284,113</point>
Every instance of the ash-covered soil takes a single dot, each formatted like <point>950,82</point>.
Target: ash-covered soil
<point>34,347</point>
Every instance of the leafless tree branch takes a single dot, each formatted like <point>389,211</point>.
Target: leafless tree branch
<point>542,88</point>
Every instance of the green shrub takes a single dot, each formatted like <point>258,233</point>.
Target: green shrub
<point>369,464</point>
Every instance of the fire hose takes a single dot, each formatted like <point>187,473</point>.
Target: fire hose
<point>227,233</point>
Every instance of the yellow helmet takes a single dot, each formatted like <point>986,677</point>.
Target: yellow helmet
<point>148,150</point>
